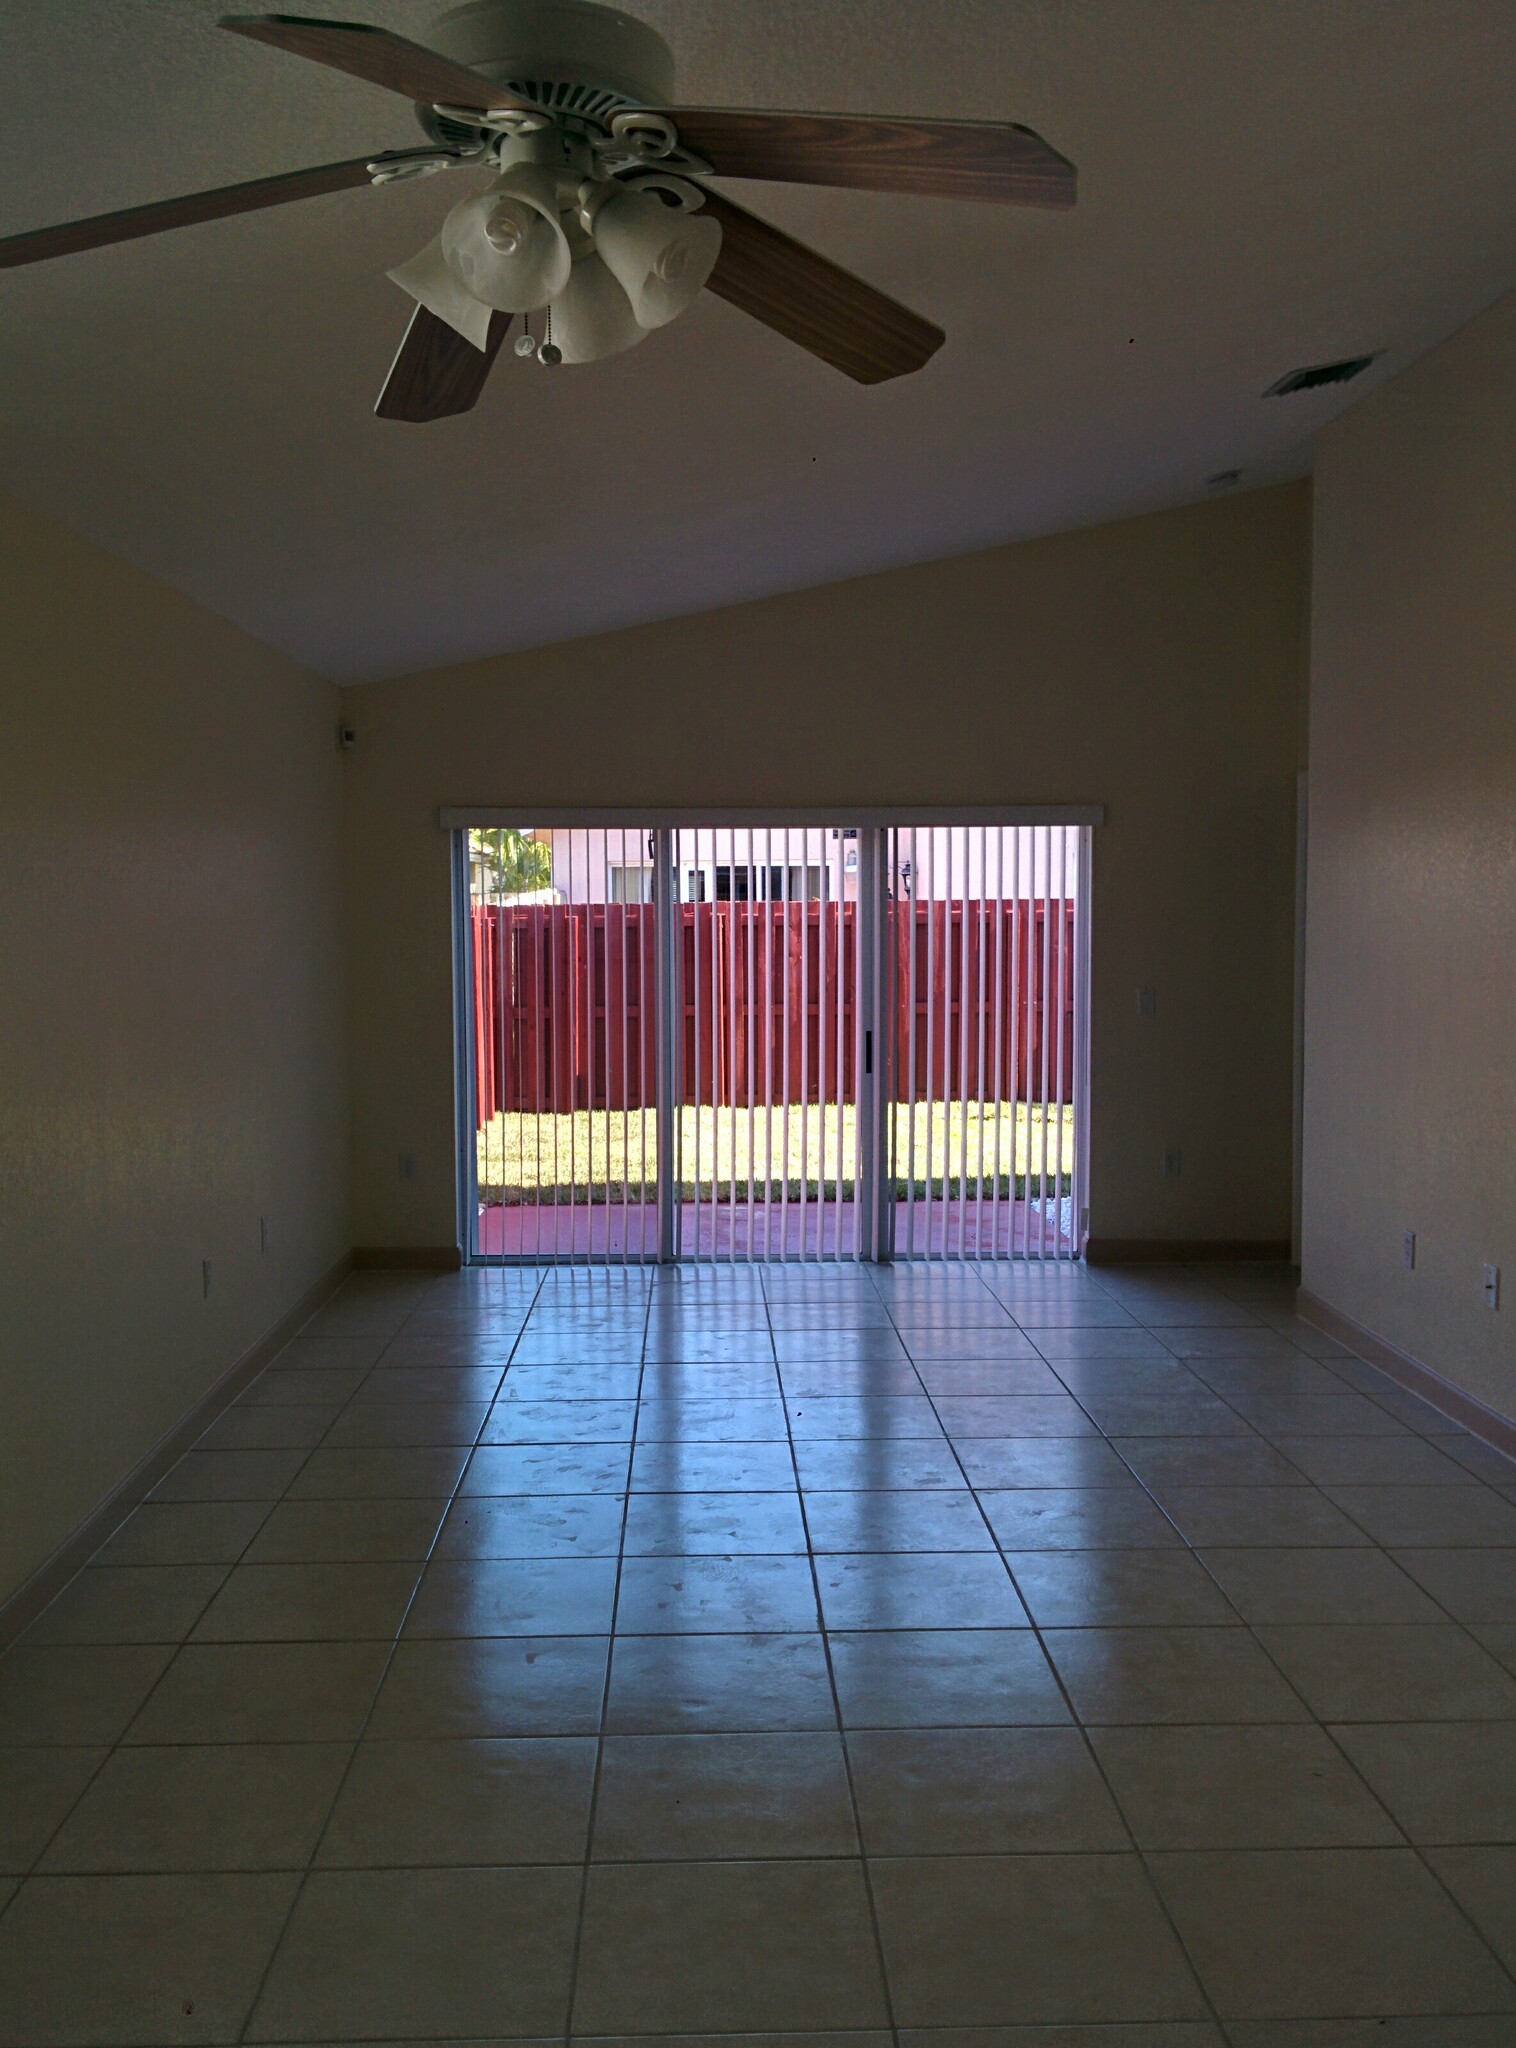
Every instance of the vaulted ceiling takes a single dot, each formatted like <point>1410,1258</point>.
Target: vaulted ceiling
<point>1264,183</point>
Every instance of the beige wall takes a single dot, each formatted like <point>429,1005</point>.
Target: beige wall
<point>1155,666</point>
<point>172,1058</point>
<point>1411,956</point>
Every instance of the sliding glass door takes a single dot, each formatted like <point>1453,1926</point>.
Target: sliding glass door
<point>802,1041</point>
<point>560,1145</point>
<point>765,989</point>
<point>987,1125</point>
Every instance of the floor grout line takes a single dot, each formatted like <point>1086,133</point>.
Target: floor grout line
<point>605,1696</point>
<point>885,1987</point>
<point>1327,1731</point>
<point>331,1807</point>
<point>1089,1747</point>
<point>793,1328</point>
<point>179,1643</point>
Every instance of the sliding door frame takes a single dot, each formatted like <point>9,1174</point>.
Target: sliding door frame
<point>464,1100</point>
<point>873,1024</point>
<point>873,1062</point>
<point>670,1037</point>
<point>616,817</point>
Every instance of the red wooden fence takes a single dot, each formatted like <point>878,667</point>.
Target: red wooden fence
<point>565,1003</point>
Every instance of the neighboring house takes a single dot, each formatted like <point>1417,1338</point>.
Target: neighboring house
<point>813,862</point>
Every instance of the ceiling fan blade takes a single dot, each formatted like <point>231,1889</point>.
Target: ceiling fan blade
<point>992,160</point>
<point>135,221</point>
<point>814,302</point>
<point>392,61</point>
<point>436,373</point>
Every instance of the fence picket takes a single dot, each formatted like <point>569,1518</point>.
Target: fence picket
<point>572,982</point>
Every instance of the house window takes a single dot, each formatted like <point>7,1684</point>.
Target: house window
<point>737,883</point>
<point>631,885</point>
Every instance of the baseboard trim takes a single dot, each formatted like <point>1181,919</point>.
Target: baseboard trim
<point>415,1258</point>
<point>1488,1423</point>
<point>1186,1251</point>
<point>75,1551</point>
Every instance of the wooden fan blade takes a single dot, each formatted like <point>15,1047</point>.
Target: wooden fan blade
<point>814,302</point>
<point>436,372</point>
<point>992,160</point>
<point>135,221</point>
<point>375,55</point>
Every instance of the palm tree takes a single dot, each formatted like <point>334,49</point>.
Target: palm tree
<point>513,862</point>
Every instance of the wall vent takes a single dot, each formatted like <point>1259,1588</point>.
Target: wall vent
<point>1317,374</point>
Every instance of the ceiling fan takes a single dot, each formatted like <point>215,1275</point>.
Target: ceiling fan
<point>595,216</point>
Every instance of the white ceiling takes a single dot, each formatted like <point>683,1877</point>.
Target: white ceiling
<point>1264,183</point>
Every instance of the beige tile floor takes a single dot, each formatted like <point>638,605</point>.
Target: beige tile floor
<point>968,1657</point>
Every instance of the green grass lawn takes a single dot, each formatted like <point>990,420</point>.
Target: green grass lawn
<point>601,1150</point>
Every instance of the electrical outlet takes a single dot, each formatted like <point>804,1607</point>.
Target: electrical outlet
<point>1408,1248</point>
<point>1172,1161</point>
<point>205,1277</point>
<point>1492,1287</point>
<point>1147,1002</point>
<point>407,1166</point>
<point>263,1233</point>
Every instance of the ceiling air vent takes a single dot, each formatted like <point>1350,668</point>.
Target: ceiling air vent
<point>1317,374</point>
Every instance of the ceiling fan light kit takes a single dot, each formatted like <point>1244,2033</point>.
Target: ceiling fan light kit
<point>596,214</point>
<point>660,257</point>
<point>432,282</point>
<point>593,316</point>
<point>611,259</point>
<point>506,245</point>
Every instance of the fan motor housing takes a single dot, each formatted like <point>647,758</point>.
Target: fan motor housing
<point>571,57</point>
